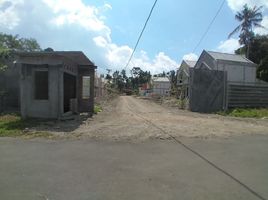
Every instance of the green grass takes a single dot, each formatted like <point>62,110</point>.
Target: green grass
<point>12,125</point>
<point>247,112</point>
<point>97,109</point>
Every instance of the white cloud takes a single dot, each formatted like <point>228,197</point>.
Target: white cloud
<point>74,25</point>
<point>100,41</point>
<point>76,12</point>
<point>108,6</point>
<point>190,56</point>
<point>8,16</point>
<point>118,56</point>
<point>237,5</point>
<point>228,46</point>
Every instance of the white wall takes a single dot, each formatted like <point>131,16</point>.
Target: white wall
<point>239,72</point>
<point>161,88</point>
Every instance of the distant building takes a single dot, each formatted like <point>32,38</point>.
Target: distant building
<point>161,86</point>
<point>99,86</point>
<point>49,84</point>
<point>183,76</point>
<point>145,89</point>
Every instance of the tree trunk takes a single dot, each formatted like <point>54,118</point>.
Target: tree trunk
<point>247,51</point>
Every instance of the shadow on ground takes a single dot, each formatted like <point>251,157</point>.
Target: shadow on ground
<point>63,125</point>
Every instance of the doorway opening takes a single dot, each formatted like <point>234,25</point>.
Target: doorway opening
<point>69,90</point>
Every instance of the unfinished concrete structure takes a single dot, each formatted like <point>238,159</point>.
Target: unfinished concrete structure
<point>99,87</point>
<point>53,83</point>
<point>239,69</point>
<point>183,75</point>
<point>221,81</point>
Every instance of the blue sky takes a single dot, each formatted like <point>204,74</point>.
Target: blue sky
<point>106,31</point>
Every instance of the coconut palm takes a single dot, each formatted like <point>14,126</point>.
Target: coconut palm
<point>248,18</point>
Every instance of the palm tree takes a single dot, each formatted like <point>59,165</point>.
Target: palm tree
<point>248,18</point>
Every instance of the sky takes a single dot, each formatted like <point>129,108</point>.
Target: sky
<point>107,30</point>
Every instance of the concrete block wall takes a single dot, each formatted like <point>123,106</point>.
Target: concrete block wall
<point>31,107</point>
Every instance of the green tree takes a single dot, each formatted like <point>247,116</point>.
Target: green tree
<point>14,43</point>
<point>4,57</point>
<point>10,44</point>
<point>258,53</point>
<point>263,69</point>
<point>248,18</point>
<point>108,75</point>
<point>139,77</point>
<point>49,49</point>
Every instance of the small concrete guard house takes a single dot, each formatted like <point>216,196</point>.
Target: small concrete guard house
<point>53,83</point>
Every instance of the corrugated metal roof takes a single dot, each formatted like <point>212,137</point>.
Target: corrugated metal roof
<point>228,57</point>
<point>161,79</point>
<point>190,63</point>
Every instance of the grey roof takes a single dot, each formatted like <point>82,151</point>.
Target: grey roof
<point>76,56</point>
<point>160,79</point>
<point>229,57</point>
<point>190,63</point>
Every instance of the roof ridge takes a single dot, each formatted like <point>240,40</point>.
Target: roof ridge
<point>245,59</point>
<point>227,53</point>
<point>191,60</point>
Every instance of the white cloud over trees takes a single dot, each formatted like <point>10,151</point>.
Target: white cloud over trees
<point>74,25</point>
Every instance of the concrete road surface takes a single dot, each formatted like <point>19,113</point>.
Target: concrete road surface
<point>154,169</point>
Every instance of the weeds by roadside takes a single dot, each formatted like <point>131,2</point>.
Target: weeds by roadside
<point>12,125</point>
<point>182,103</point>
<point>97,109</point>
<point>246,112</point>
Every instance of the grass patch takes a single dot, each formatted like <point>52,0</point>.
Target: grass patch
<point>247,112</point>
<point>12,125</point>
<point>97,109</point>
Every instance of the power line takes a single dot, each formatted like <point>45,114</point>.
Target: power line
<point>131,56</point>
<point>209,26</point>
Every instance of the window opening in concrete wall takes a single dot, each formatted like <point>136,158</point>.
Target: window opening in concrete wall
<point>86,87</point>
<point>41,85</point>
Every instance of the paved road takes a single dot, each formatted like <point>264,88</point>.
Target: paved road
<point>135,165</point>
<point>86,169</point>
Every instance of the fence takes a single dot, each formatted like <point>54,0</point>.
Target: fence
<point>207,90</point>
<point>247,95</point>
<point>210,92</point>
<point>2,102</point>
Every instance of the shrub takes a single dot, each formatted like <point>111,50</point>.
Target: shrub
<point>97,109</point>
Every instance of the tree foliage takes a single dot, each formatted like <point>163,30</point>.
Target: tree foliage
<point>15,43</point>
<point>121,81</point>
<point>258,53</point>
<point>248,18</point>
<point>263,69</point>
<point>9,44</point>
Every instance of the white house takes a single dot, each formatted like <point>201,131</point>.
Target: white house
<point>239,69</point>
<point>161,86</point>
<point>183,77</point>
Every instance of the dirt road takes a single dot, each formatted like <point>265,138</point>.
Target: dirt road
<point>129,118</point>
